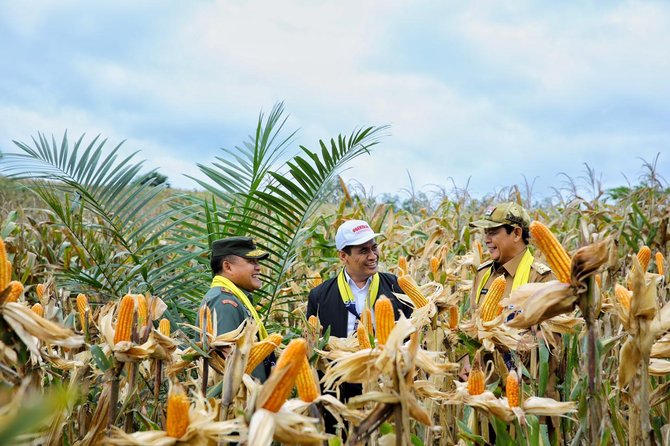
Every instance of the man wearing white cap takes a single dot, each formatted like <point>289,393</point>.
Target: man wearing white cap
<point>339,301</point>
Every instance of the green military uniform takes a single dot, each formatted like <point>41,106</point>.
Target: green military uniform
<point>539,272</point>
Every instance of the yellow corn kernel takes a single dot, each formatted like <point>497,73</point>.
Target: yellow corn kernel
<point>82,306</point>
<point>366,320</point>
<point>644,256</point>
<point>177,414</point>
<point>491,306</point>
<point>4,276</point>
<point>38,309</point>
<point>402,265</point>
<point>260,350</point>
<point>434,265</point>
<point>39,290</point>
<point>205,319</point>
<point>659,263</point>
<point>557,257</point>
<point>308,388</point>
<point>314,322</point>
<point>164,327</point>
<point>512,389</point>
<point>384,319</point>
<point>476,380</point>
<point>142,310</point>
<point>290,360</point>
<point>15,291</point>
<point>409,287</point>
<point>363,338</point>
<point>623,296</point>
<point>124,322</point>
<point>453,317</point>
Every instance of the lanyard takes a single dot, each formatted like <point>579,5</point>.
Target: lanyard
<point>348,296</point>
<point>227,283</point>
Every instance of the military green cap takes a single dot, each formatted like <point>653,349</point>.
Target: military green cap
<point>239,246</point>
<point>503,214</point>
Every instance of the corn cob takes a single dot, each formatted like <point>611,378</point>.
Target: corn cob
<point>164,327</point>
<point>315,281</point>
<point>623,296</point>
<point>512,389</point>
<point>434,265</point>
<point>82,306</point>
<point>384,319</point>
<point>402,265</point>
<point>313,321</point>
<point>177,415</point>
<point>142,310</point>
<point>15,291</point>
<point>659,263</point>
<point>476,380</point>
<point>366,320</point>
<point>39,290</point>
<point>124,322</point>
<point>453,317</point>
<point>260,350</point>
<point>290,361</point>
<point>480,250</point>
<point>205,319</point>
<point>308,389</point>
<point>38,309</point>
<point>4,276</point>
<point>644,256</point>
<point>409,287</point>
<point>553,251</point>
<point>363,338</point>
<point>491,306</point>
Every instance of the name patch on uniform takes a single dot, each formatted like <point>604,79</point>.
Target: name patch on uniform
<point>228,301</point>
<point>484,291</point>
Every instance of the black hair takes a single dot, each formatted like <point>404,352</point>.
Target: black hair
<point>347,250</point>
<point>216,262</point>
<point>525,234</point>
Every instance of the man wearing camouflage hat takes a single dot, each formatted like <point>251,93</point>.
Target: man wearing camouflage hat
<point>506,237</point>
<point>234,263</point>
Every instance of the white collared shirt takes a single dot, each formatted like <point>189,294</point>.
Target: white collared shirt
<point>360,296</point>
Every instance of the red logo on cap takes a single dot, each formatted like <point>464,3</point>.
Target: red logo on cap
<point>358,228</point>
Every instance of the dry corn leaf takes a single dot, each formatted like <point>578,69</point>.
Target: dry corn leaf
<point>659,367</point>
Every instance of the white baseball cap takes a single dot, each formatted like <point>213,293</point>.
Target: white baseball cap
<point>352,233</point>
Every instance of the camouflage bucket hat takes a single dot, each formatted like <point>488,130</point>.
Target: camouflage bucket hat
<point>503,214</point>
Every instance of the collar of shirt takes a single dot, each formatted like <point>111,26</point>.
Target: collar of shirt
<point>512,264</point>
<point>353,285</point>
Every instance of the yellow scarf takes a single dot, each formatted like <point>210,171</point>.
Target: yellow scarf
<point>348,296</point>
<point>220,281</point>
<point>520,277</point>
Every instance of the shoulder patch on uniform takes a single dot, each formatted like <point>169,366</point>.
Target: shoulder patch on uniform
<point>485,265</point>
<point>228,301</point>
<point>541,268</point>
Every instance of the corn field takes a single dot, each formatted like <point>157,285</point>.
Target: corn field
<point>103,338</point>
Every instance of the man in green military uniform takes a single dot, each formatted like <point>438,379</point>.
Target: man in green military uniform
<point>234,263</point>
<point>506,237</point>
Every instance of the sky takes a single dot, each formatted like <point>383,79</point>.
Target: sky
<point>481,95</point>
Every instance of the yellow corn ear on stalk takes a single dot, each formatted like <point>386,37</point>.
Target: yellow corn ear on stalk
<point>366,320</point>
<point>491,306</point>
<point>434,265</point>
<point>453,317</point>
<point>142,310</point>
<point>164,327</point>
<point>39,290</point>
<point>313,321</point>
<point>557,257</point>
<point>480,250</point>
<point>402,265</point>
<point>622,295</point>
<point>82,306</point>
<point>308,388</point>
<point>205,319</point>
<point>409,287</point>
<point>15,291</point>
<point>315,281</point>
<point>363,338</point>
<point>384,319</point>
<point>260,350</point>
<point>476,380</point>
<point>659,263</point>
<point>177,414</point>
<point>644,256</point>
<point>38,309</point>
<point>512,389</point>
<point>4,276</point>
<point>124,322</point>
<point>290,360</point>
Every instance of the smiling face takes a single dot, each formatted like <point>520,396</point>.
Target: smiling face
<point>362,262</point>
<point>503,246</point>
<point>245,273</point>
